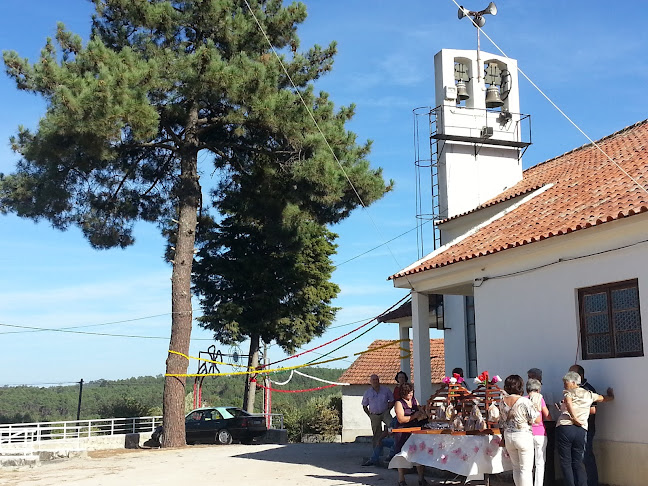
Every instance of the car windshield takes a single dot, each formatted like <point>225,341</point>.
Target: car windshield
<point>236,412</point>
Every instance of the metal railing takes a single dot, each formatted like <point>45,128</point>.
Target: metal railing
<point>75,429</point>
<point>79,429</point>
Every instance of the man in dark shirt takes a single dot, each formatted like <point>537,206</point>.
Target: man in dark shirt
<point>589,460</point>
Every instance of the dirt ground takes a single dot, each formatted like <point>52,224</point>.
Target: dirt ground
<point>234,465</point>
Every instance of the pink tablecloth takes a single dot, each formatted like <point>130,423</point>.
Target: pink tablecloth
<point>468,455</point>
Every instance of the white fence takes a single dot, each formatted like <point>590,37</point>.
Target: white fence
<point>75,429</point>
<point>79,429</point>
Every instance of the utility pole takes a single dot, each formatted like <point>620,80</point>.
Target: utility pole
<point>80,394</point>
<point>267,392</point>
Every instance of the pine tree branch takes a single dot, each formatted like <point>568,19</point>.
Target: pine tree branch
<point>174,136</point>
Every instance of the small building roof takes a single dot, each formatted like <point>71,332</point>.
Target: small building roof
<point>385,362</point>
<point>405,310</point>
<point>583,189</point>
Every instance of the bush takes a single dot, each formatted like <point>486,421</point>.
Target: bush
<point>320,415</point>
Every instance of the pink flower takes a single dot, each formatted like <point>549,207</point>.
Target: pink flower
<point>496,379</point>
<point>430,451</point>
<point>422,446</point>
<point>412,448</point>
<point>497,439</point>
<point>446,380</point>
<point>464,457</point>
<point>457,451</point>
<point>476,449</point>
<point>444,458</point>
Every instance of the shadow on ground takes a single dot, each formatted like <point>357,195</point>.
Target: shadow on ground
<point>342,463</point>
<point>339,462</point>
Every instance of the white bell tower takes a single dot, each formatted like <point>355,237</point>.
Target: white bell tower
<point>479,130</point>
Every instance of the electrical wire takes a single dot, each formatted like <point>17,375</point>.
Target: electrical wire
<point>101,324</point>
<point>339,337</point>
<point>88,333</point>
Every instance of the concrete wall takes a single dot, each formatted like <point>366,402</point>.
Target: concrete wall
<point>354,421</point>
<point>531,320</point>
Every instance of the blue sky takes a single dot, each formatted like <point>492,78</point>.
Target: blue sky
<point>590,61</point>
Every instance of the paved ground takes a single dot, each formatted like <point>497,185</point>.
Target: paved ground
<point>234,465</point>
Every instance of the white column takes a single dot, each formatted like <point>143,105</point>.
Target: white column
<point>403,333</point>
<point>454,337</point>
<point>421,346</point>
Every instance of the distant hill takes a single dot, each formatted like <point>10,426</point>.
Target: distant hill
<point>143,395</point>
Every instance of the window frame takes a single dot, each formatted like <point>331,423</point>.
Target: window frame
<point>613,332</point>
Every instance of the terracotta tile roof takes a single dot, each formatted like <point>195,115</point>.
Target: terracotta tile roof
<point>588,190</point>
<point>405,310</point>
<point>385,362</point>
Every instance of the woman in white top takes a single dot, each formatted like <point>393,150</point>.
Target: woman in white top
<point>517,415</point>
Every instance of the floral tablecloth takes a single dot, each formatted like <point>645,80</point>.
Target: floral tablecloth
<point>468,455</point>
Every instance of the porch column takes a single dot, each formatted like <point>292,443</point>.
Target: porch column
<point>403,333</point>
<point>421,346</point>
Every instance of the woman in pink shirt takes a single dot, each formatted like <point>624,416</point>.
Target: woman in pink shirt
<point>533,388</point>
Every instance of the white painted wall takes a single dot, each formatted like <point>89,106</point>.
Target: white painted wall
<point>531,320</point>
<point>354,421</point>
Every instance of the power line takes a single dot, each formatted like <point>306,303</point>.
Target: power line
<point>87,333</point>
<point>98,325</point>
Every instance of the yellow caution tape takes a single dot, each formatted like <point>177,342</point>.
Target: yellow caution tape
<point>207,360</point>
<point>253,372</point>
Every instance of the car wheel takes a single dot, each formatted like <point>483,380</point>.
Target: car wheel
<point>224,437</point>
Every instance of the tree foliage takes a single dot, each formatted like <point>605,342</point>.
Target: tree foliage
<point>128,113</point>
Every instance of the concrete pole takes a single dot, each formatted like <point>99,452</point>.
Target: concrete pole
<point>421,346</point>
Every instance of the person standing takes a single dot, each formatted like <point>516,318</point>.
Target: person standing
<point>377,403</point>
<point>589,460</point>
<point>572,425</point>
<point>517,415</point>
<point>533,388</point>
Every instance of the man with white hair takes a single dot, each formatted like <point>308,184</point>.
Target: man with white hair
<point>377,403</point>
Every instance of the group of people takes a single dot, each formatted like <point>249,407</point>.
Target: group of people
<point>522,422</point>
<point>522,417</point>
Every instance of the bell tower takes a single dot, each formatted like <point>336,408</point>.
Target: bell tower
<point>479,128</point>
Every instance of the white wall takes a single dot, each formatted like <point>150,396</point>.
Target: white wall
<point>531,320</point>
<point>354,421</point>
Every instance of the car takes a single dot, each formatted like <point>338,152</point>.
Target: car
<point>221,425</point>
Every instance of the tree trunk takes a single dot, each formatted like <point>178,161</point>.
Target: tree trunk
<point>181,320</point>
<point>253,362</point>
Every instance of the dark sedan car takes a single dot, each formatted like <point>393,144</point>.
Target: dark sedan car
<point>221,425</point>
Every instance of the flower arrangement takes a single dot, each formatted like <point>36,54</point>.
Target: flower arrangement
<point>455,378</point>
<point>484,379</point>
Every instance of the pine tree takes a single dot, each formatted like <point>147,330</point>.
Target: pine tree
<point>129,111</point>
